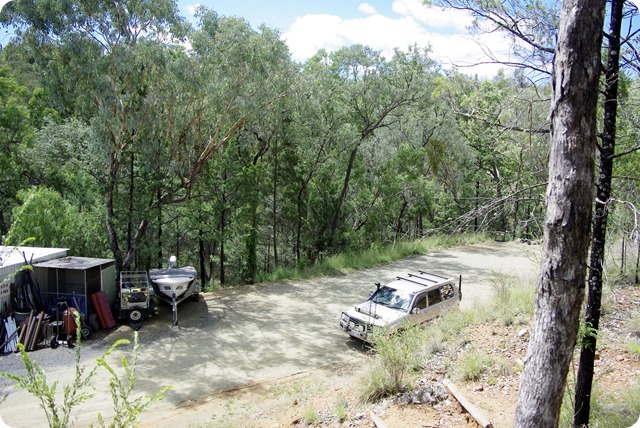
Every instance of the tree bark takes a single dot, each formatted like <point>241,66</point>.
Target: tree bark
<point>274,207</point>
<point>603,193</point>
<point>223,255</point>
<point>159,235</point>
<point>343,195</point>
<point>560,288</point>
<point>202,256</point>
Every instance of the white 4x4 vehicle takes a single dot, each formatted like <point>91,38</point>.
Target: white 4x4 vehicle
<point>414,298</point>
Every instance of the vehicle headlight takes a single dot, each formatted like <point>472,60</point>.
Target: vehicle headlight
<point>344,317</point>
<point>360,328</point>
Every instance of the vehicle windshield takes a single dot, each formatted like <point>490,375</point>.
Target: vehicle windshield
<point>392,298</point>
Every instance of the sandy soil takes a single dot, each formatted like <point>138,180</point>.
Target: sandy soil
<point>253,356</point>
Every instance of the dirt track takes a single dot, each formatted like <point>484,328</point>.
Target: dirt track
<point>251,335</point>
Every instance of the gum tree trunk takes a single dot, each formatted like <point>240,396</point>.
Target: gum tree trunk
<point>560,288</point>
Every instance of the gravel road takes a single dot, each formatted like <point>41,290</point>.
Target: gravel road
<point>248,335</point>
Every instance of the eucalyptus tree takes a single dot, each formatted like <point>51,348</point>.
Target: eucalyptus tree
<point>369,93</point>
<point>15,132</point>
<point>158,112</point>
<point>255,66</point>
<point>560,289</point>
<point>530,27</point>
<point>46,219</point>
<point>534,26</point>
<point>58,163</point>
<point>98,61</point>
<point>399,185</point>
<point>503,122</point>
<point>318,126</point>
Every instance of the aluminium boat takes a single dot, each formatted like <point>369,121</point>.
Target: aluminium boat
<point>174,284</point>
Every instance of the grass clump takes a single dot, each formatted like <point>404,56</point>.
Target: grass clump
<point>607,409</point>
<point>397,355</point>
<point>473,364</point>
<point>512,299</point>
<point>340,408</point>
<point>362,259</point>
<point>310,416</point>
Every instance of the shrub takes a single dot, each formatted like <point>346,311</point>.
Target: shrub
<point>58,414</point>
<point>397,354</point>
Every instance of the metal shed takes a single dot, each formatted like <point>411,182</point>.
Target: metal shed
<point>76,277</point>
<point>13,258</point>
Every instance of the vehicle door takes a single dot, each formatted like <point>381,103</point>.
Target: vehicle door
<point>418,313</point>
<point>440,300</point>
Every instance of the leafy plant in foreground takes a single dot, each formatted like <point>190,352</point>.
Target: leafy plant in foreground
<point>58,414</point>
<point>126,410</point>
<point>35,382</point>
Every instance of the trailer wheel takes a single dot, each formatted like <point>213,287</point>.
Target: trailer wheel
<point>135,315</point>
<point>85,330</point>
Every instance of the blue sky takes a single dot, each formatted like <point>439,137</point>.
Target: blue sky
<point>308,25</point>
<point>282,13</point>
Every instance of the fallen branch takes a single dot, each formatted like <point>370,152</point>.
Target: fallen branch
<point>468,406</point>
<point>379,423</point>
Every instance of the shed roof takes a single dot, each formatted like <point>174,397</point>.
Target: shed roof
<point>74,263</point>
<point>15,256</point>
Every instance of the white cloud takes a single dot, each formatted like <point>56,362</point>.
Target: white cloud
<point>310,33</point>
<point>191,8</point>
<point>3,3</point>
<point>367,9</point>
<point>434,17</point>
<point>415,23</point>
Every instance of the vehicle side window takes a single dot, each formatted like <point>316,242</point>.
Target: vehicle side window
<point>447,291</point>
<point>421,302</point>
<point>434,297</point>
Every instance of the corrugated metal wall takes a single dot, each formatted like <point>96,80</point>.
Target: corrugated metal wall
<point>13,259</point>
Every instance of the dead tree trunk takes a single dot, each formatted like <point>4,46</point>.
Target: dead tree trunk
<point>603,193</point>
<point>560,288</point>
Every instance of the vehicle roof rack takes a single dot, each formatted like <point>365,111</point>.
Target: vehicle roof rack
<point>431,276</point>
<point>411,280</point>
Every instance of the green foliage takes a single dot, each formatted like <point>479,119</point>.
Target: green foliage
<point>310,416</point>
<point>586,332</point>
<point>59,415</point>
<point>398,354</point>
<point>266,165</point>
<point>127,410</point>
<point>341,408</point>
<point>43,215</point>
<point>250,266</point>
<point>608,409</point>
<point>48,220</point>
<point>375,256</point>
<point>472,365</point>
